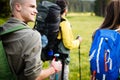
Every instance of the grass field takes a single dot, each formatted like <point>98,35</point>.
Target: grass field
<point>83,25</point>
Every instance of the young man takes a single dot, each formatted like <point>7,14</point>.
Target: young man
<point>66,36</point>
<point>23,47</point>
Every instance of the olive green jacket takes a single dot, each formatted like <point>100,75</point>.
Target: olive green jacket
<point>23,49</point>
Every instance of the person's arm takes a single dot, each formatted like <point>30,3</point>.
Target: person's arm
<point>33,63</point>
<point>67,36</point>
<point>32,52</point>
<point>56,66</point>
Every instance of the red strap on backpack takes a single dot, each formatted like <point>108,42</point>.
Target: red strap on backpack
<point>93,75</point>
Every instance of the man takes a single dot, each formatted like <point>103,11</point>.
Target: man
<point>23,47</point>
<point>67,38</point>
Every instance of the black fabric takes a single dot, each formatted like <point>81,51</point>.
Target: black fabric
<point>1,29</point>
<point>47,23</point>
<point>48,17</point>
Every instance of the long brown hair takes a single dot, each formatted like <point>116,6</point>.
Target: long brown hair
<point>112,18</point>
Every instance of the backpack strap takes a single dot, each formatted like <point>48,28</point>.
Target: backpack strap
<point>13,29</point>
<point>62,19</point>
<point>4,57</point>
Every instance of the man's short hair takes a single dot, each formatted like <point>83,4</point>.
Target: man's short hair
<point>63,4</point>
<point>12,3</point>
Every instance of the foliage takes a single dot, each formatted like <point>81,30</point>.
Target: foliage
<point>74,6</point>
<point>100,6</point>
<point>2,21</point>
<point>81,5</point>
<point>5,10</point>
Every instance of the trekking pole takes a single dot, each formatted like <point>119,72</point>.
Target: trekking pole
<point>62,73</point>
<point>56,59</point>
<point>79,60</point>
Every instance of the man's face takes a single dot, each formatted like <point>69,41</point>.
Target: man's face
<point>28,10</point>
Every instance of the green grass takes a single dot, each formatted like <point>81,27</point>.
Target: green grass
<point>83,25</point>
<point>2,20</point>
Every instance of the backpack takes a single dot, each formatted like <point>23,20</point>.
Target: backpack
<point>104,55</point>
<point>47,23</point>
<point>5,71</point>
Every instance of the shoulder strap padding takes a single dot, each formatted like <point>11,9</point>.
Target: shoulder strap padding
<point>13,29</point>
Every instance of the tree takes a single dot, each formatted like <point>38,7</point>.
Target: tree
<point>5,10</point>
<point>74,5</point>
<point>100,6</point>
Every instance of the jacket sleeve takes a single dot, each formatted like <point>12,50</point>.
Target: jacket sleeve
<point>32,52</point>
<point>67,36</point>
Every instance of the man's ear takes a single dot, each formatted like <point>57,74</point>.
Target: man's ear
<point>18,7</point>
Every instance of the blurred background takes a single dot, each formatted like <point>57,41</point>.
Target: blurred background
<point>93,6</point>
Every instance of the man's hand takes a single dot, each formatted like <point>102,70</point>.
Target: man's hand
<point>56,65</point>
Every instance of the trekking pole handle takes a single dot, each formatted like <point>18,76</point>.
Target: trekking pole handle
<point>56,56</point>
<point>56,59</point>
<point>80,39</point>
